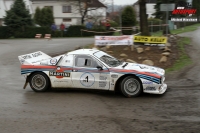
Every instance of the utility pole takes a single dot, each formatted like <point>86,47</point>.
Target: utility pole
<point>112,5</point>
<point>167,20</point>
<point>120,20</point>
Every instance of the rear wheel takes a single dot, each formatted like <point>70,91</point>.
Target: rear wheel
<point>39,82</point>
<point>130,86</point>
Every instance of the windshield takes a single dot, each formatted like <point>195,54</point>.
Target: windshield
<point>108,59</point>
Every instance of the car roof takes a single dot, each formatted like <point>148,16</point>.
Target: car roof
<point>83,51</point>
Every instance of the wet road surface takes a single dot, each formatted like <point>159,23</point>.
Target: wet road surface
<point>80,111</point>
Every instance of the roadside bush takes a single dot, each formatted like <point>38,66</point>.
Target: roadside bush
<point>154,21</point>
<point>127,32</point>
<point>128,17</point>
<point>57,33</point>
<point>4,32</point>
<point>30,32</point>
<point>113,24</point>
<point>74,31</point>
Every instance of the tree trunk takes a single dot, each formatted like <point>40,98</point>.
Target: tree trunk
<point>82,20</point>
<point>83,16</point>
<point>143,19</point>
<point>83,12</point>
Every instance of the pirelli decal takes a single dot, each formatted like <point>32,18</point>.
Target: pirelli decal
<point>62,74</point>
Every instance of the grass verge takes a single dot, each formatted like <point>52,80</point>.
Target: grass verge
<point>179,31</point>
<point>183,59</point>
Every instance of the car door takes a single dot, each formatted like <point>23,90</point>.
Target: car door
<point>61,76</point>
<point>85,73</point>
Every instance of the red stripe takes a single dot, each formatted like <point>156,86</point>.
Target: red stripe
<point>37,67</point>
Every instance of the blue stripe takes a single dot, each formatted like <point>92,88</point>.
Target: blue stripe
<point>153,78</point>
<point>150,78</point>
<point>36,69</point>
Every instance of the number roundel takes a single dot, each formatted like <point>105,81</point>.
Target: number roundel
<point>87,79</point>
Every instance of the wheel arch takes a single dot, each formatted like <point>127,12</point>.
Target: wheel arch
<point>28,77</point>
<point>117,84</point>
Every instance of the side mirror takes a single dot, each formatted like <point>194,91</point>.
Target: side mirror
<point>99,68</point>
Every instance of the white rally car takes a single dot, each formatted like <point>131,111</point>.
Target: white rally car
<point>90,69</point>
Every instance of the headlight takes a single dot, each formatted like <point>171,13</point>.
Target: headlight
<point>162,79</point>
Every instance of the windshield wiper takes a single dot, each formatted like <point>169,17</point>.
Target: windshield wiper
<point>125,65</point>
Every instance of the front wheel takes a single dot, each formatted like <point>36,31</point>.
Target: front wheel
<point>39,82</point>
<point>130,87</point>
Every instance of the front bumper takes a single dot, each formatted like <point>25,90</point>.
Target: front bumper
<point>161,90</point>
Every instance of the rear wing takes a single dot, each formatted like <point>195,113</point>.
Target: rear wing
<point>32,58</point>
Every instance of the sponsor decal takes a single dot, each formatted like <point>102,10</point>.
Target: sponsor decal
<point>152,68</point>
<point>160,70</point>
<point>150,88</point>
<point>59,74</point>
<point>87,79</point>
<point>41,63</point>
<point>29,56</point>
<point>114,40</point>
<point>22,61</point>
<point>26,56</point>
<point>53,61</point>
<point>102,82</point>
<point>114,37</point>
<point>147,44</point>
<point>142,66</point>
<point>114,76</point>
<point>147,82</point>
<point>61,81</point>
<point>36,54</point>
<point>67,61</point>
<point>146,39</point>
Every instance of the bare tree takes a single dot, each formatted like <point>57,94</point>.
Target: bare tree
<point>96,16</point>
<point>109,4</point>
<point>83,7</point>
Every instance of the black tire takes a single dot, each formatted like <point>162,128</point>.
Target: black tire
<point>130,87</point>
<point>39,82</point>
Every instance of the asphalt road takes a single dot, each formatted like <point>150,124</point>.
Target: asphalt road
<point>80,111</point>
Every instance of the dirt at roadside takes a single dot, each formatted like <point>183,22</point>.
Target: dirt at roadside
<point>153,53</point>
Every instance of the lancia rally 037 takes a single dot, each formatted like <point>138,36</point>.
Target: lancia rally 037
<point>90,69</point>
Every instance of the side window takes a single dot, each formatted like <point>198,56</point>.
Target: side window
<point>84,61</point>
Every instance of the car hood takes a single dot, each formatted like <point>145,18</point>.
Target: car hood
<point>51,61</point>
<point>142,68</point>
